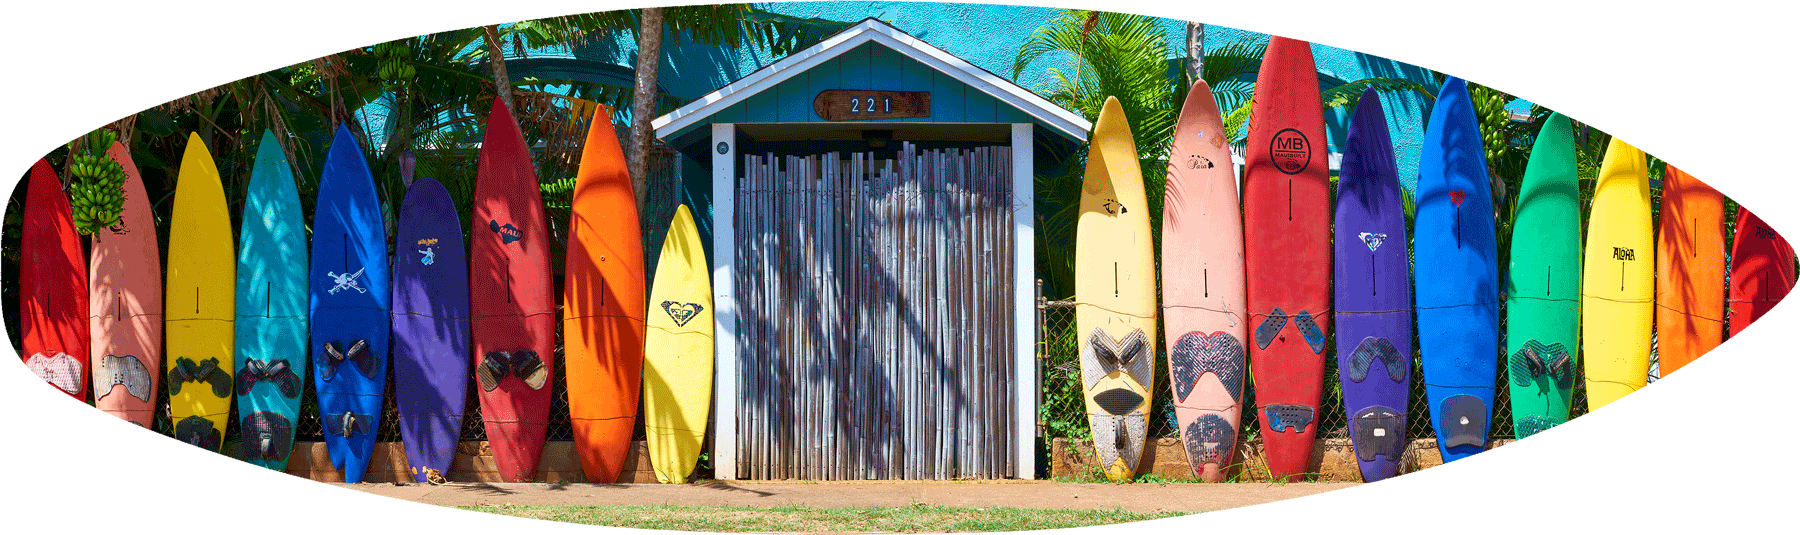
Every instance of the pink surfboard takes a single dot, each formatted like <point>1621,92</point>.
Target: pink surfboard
<point>1203,286</point>
<point>125,304</point>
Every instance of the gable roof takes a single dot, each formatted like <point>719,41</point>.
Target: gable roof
<point>1063,121</point>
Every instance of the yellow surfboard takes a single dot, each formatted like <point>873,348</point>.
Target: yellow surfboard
<point>678,353</point>
<point>1617,278</point>
<point>199,302</point>
<point>1115,292</point>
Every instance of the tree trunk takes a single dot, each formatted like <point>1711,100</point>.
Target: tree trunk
<point>1196,51</point>
<point>643,100</point>
<point>497,63</point>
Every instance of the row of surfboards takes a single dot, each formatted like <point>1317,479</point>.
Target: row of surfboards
<point>1265,281</point>
<point>223,326</point>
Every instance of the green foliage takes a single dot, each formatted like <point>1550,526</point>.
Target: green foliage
<point>1490,112</point>
<point>1058,420</point>
<point>1113,55</point>
<point>1116,55</point>
<point>96,183</point>
<point>394,63</point>
<point>1347,95</point>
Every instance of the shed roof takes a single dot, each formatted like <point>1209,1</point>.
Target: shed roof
<point>870,30</point>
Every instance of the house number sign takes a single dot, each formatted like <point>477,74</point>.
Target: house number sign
<point>864,105</point>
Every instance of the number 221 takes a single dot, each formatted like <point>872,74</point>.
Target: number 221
<point>887,105</point>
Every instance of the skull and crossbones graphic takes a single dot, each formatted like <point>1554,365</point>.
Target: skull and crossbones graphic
<point>346,281</point>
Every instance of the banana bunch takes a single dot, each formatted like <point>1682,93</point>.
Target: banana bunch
<point>96,184</point>
<point>393,60</point>
<point>1490,109</point>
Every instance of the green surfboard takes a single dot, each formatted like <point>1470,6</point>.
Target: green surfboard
<point>1543,294</point>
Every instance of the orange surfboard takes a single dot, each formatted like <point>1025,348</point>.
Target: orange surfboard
<point>1690,271</point>
<point>125,304</point>
<point>603,305</point>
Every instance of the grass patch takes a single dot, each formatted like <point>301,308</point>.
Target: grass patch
<point>909,519</point>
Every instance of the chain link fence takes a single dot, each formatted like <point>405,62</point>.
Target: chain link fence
<point>1062,413</point>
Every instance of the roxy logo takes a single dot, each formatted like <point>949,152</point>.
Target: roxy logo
<point>682,312</point>
<point>1290,151</point>
<point>1624,253</point>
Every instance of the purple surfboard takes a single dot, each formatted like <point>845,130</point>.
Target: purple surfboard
<point>1372,294</point>
<point>431,326</point>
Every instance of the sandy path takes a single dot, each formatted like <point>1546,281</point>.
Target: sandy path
<point>1140,497</point>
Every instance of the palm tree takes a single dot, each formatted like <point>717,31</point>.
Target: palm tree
<point>637,157</point>
<point>1196,50</point>
<point>497,59</point>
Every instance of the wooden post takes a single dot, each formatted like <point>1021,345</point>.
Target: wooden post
<point>725,310</point>
<point>1024,272</point>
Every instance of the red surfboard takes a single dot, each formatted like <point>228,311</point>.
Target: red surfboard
<point>1762,270</point>
<point>53,287</point>
<point>1287,253</point>
<point>509,297</point>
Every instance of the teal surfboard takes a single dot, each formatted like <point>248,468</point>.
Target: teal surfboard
<point>271,309</point>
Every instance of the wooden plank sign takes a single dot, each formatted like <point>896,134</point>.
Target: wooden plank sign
<point>863,105</point>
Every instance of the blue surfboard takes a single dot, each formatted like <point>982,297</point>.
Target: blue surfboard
<point>431,326</point>
<point>1456,285</point>
<point>350,300</point>
<point>1372,294</point>
<point>271,309</point>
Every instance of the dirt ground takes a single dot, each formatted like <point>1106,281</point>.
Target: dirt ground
<point>1138,497</point>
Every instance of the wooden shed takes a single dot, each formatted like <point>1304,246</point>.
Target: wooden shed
<point>871,242</point>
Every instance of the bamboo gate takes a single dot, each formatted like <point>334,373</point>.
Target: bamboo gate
<point>876,338</point>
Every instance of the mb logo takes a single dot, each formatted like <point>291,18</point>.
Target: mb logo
<point>1290,151</point>
<point>1624,253</point>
